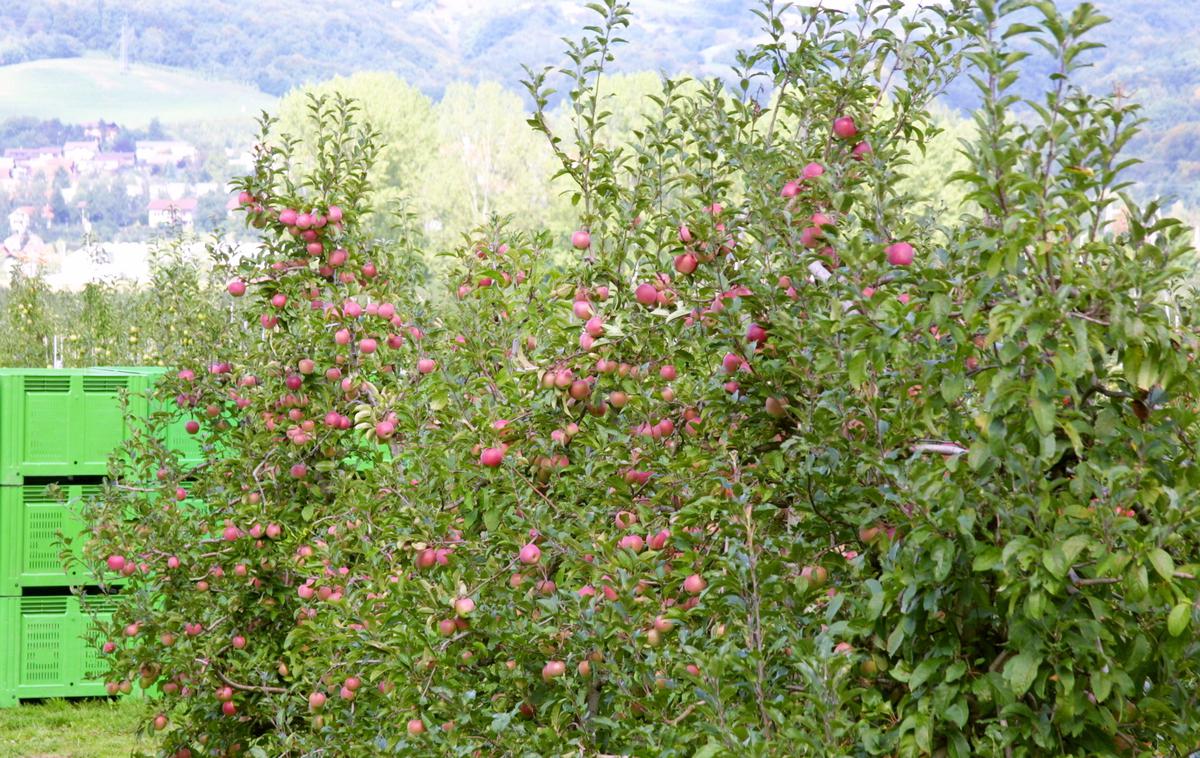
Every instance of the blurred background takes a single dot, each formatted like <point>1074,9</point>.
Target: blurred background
<point>122,122</point>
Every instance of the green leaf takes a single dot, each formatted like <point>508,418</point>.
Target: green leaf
<point>978,455</point>
<point>1043,414</point>
<point>1162,563</point>
<point>922,672</point>
<point>1021,671</point>
<point>710,749</point>
<point>1055,562</point>
<point>956,713</point>
<point>895,639</point>
<point>1074,546</point>
<point>1101,685</point>
<point>954,672</point>
<point>1178,619</point>
<point>857,368</point>
<point>986,560</point>
<point>491,520</point>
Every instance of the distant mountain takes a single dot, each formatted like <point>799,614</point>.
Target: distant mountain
<point>277,45</point>
<point>280,44</point>
<point>1151,55</point>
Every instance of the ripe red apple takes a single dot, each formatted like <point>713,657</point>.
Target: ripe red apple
<point>491,456</point>
<point>756,334</point>
<point>237,288</point>
<point>553,670</point>
<point>529,554</point>
<point>861,151</point>
<point>844,127</point>
<point>192,426</point>
<point>694,584</point>
<point>632,542</point>
<point>581,240</point>
<point>899,253</point>
<point>116,562</point>
<point>368,345</point>
<point>238,642</point>
<point>685,263</point>
<point>426,365</point>
<point>790,190</point>
<point>415,727</point>
<point>812,171</point>
<point>646,294</point>
<point>776,407</point>
<point>463,606</point>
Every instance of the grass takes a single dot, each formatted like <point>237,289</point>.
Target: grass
<point>72,729</point>
<point>75,90</point>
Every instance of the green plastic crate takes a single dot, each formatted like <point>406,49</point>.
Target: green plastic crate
<point>61,422</point>
<point>49,647</point>
<point>30,521</point>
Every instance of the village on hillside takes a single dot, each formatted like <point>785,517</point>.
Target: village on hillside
<point>104,199</point>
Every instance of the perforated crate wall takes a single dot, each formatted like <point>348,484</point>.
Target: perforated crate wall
<point>31,518</point>
<point>61,423</point>
<point>177,438</point>
<point>50,647</point>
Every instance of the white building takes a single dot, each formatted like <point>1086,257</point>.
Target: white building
<point>163,152</point>
<point>81,152</point>
<point>163,212</point>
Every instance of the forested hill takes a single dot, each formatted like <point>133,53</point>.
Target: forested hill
<point>280,44</point>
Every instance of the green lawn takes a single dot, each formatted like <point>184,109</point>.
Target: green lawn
<point>71,729</point>
<point>92,87</point>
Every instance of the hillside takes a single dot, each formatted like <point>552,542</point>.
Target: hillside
<point>84,89</point>
<point>278,45</point>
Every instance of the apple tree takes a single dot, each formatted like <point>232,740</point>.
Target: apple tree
<point>774,465</point>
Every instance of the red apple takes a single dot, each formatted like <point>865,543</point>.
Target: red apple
<point>491,456</point>
<point>899,253</point>
<point>844,128</point>
<point>529,554</point>
<point>581,240</point>
<point>553,670</point>
<point>646,294</point>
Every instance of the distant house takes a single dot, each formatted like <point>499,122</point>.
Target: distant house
<point>101,129</point>
<point>48,167</point>
<point>21,218</point>
<point>163,212</point>
<point>80,152</point>
<point>163,152</point>
<point>106,163</point>
<point>26,154</point>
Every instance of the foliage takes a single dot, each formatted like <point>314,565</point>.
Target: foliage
<point>857,478</point>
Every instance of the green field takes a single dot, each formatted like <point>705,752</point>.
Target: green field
<point>75,90</point>
<point>75,729</point>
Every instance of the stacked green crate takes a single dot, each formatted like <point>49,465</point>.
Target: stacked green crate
<point>50,647</point>
<point>58,429</point>
<point>61,423</point>
<point>32,517</point>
